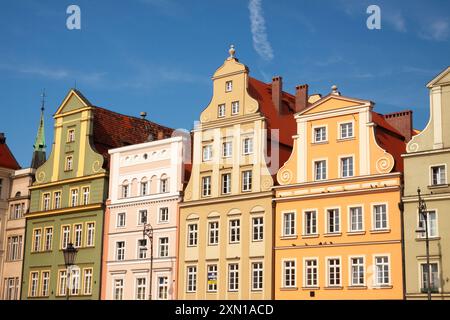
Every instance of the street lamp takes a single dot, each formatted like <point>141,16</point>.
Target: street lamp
<point>422,206</point>
<point>148,231</point>
<point>70,252</point>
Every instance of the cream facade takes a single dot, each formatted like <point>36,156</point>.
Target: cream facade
<point>225,238</point>
<point>146,182</point>
<point>427,163</point>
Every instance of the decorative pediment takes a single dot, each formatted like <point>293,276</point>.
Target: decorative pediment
<point>442,78</point>
<point>334,102</point>
<point>74,100</point>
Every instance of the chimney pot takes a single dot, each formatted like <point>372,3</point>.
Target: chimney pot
<point>301,97</point>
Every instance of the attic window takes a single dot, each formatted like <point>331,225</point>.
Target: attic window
<point>71,135</point>
<point>228,86</point>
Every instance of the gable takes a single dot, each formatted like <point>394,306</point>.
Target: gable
<point>73,101</point>
<point>440,79</point>
<point>332,103</point>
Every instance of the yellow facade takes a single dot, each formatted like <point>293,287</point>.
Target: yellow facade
<point>337,222</point>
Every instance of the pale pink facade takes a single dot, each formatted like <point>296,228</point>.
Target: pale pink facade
<point>149,178</point>
<point>13,236</point>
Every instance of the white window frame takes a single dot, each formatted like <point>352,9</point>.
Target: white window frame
<point>247,180</point>
<point>445,174</point>
<point>314,161</point>
<point>227,149</point>
<point>120,253</point>
<point>139,286</point>
<point>164,285</point>
<point>212,287</point>
<point>119,222</point>
<point>259,284</point>
<point>350,270</point>
<point>283,223</point>
<point>163,247</point>
<point>161,214</point>
<point>221,110</point>
<point>247,145</point>
<point>234,110</point>
<point>213,231</point>
<point>237,230</point>
<point>207,152</point>
<point>341,165</point>
<point>284,273</point>
<point>349,211</point>
<point>206,187</point>
<point>327,220</point>
<point>223,183</point>
<point>229,86</point>
<point>115,287</point>
<point>372,206</point>
<point>305,277</point>
<point>422,235</point>
<point>258,228</point>
<point>191,286</point>
<point>339,128</point>
<point>328,274</point>
<point>233,286</point>
<point>304,225</point>
<point>422,264</point>
<point>194,233</point>
<point>314,128</point>
<point>375,272</point>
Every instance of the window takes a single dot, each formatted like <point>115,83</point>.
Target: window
<point>221,110</point>
<point>11,289</point>
<point>120,219</point>
<point>346,167</point>
<point>142,218</point>
<point>69,163</point>
<point>17,211</point>
<point>191,283</point>
<point>258,228</point>
<point>289,224</point>
<point>247,146</point>
<point>226,183</point>
<point>118,289</point>
<point>57,200</point>
<point>346,130</point>
<point>438,175</point>
<point>207,152</point>
<point>310,222</point>
<point>320,170</point>
<point>34,283</point>
<point>382,270</point>
<point>235,107</point>
<point>90,234</point>
<point>227,149</point>
<point>192,234</point>
<point>71,135</point>
<point>334,272</point>
<point>235,231</point>
<point>144,188</point>
<point>357,271</point>
<point>289,278</point>
<point>87,282</point>
<point>78,232</point>
<point>62,280</point>
<point>320,134</point>
<point>164,247</point>
<point>142,248</point>
<point>120,250</point>
<point>163,214</point>
<point>247,180</point>
<point>73,197</point>
<point>164,184</point>
<point>233,277</point>
<point>48,233</point>
<point>163,288</point>
<point>45,283</point>
<point>125,191</point>
<point>86,191</point>
<point>212,278</point>
<point>206,186</point>
<point>46,202</point>
<point>257,276</point>
<point>228,86</point>
<point>37,237</point>
<point>333,221</point>
<point>14,248</point>
<point>213,233</point>
<point>140,288</point>
<point>65,239</point>
<point>431,223</point>
<point>311,277</point>
<point>75,282</point>
<point>380,217</point>
<point>434,279</point>
<point>356,219</point>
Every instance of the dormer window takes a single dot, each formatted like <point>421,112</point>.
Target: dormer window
<point>71,135</point>
<point>221,110</point>
<point>228,86</point>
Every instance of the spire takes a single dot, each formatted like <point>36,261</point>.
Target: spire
<point>39,146</point>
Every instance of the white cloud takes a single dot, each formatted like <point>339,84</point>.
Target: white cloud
<point>258,28</point>
<point>438,30</point>
<point>396,20</point>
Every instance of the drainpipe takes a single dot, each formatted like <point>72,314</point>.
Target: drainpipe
<point>401,206</point>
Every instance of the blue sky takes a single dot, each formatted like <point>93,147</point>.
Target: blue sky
<point>158,55</point>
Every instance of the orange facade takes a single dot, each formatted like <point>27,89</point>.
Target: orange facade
<point>338,223</point>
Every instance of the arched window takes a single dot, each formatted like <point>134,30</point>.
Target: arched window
<point>18,194</point>
<point>164,184</point>
<point>144,187</point>
<point>125,189</point>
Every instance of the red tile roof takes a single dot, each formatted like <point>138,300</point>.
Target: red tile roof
<point>390,140</point>
<point>114,130</point>
<point>7,159</point>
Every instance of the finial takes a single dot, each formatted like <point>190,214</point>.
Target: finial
<point>232,51</point>
<point>43,100</point>
<point>334,90</point>
<point>143,114</point>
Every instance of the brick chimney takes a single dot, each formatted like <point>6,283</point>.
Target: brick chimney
<point>301,97</point>
<point>402,121</point>
<point>277,89</point>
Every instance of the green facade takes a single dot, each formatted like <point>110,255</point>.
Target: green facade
<point>60,176</point>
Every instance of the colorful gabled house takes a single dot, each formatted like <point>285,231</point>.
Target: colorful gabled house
<point>68,198</point>
<point>338,232</point>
